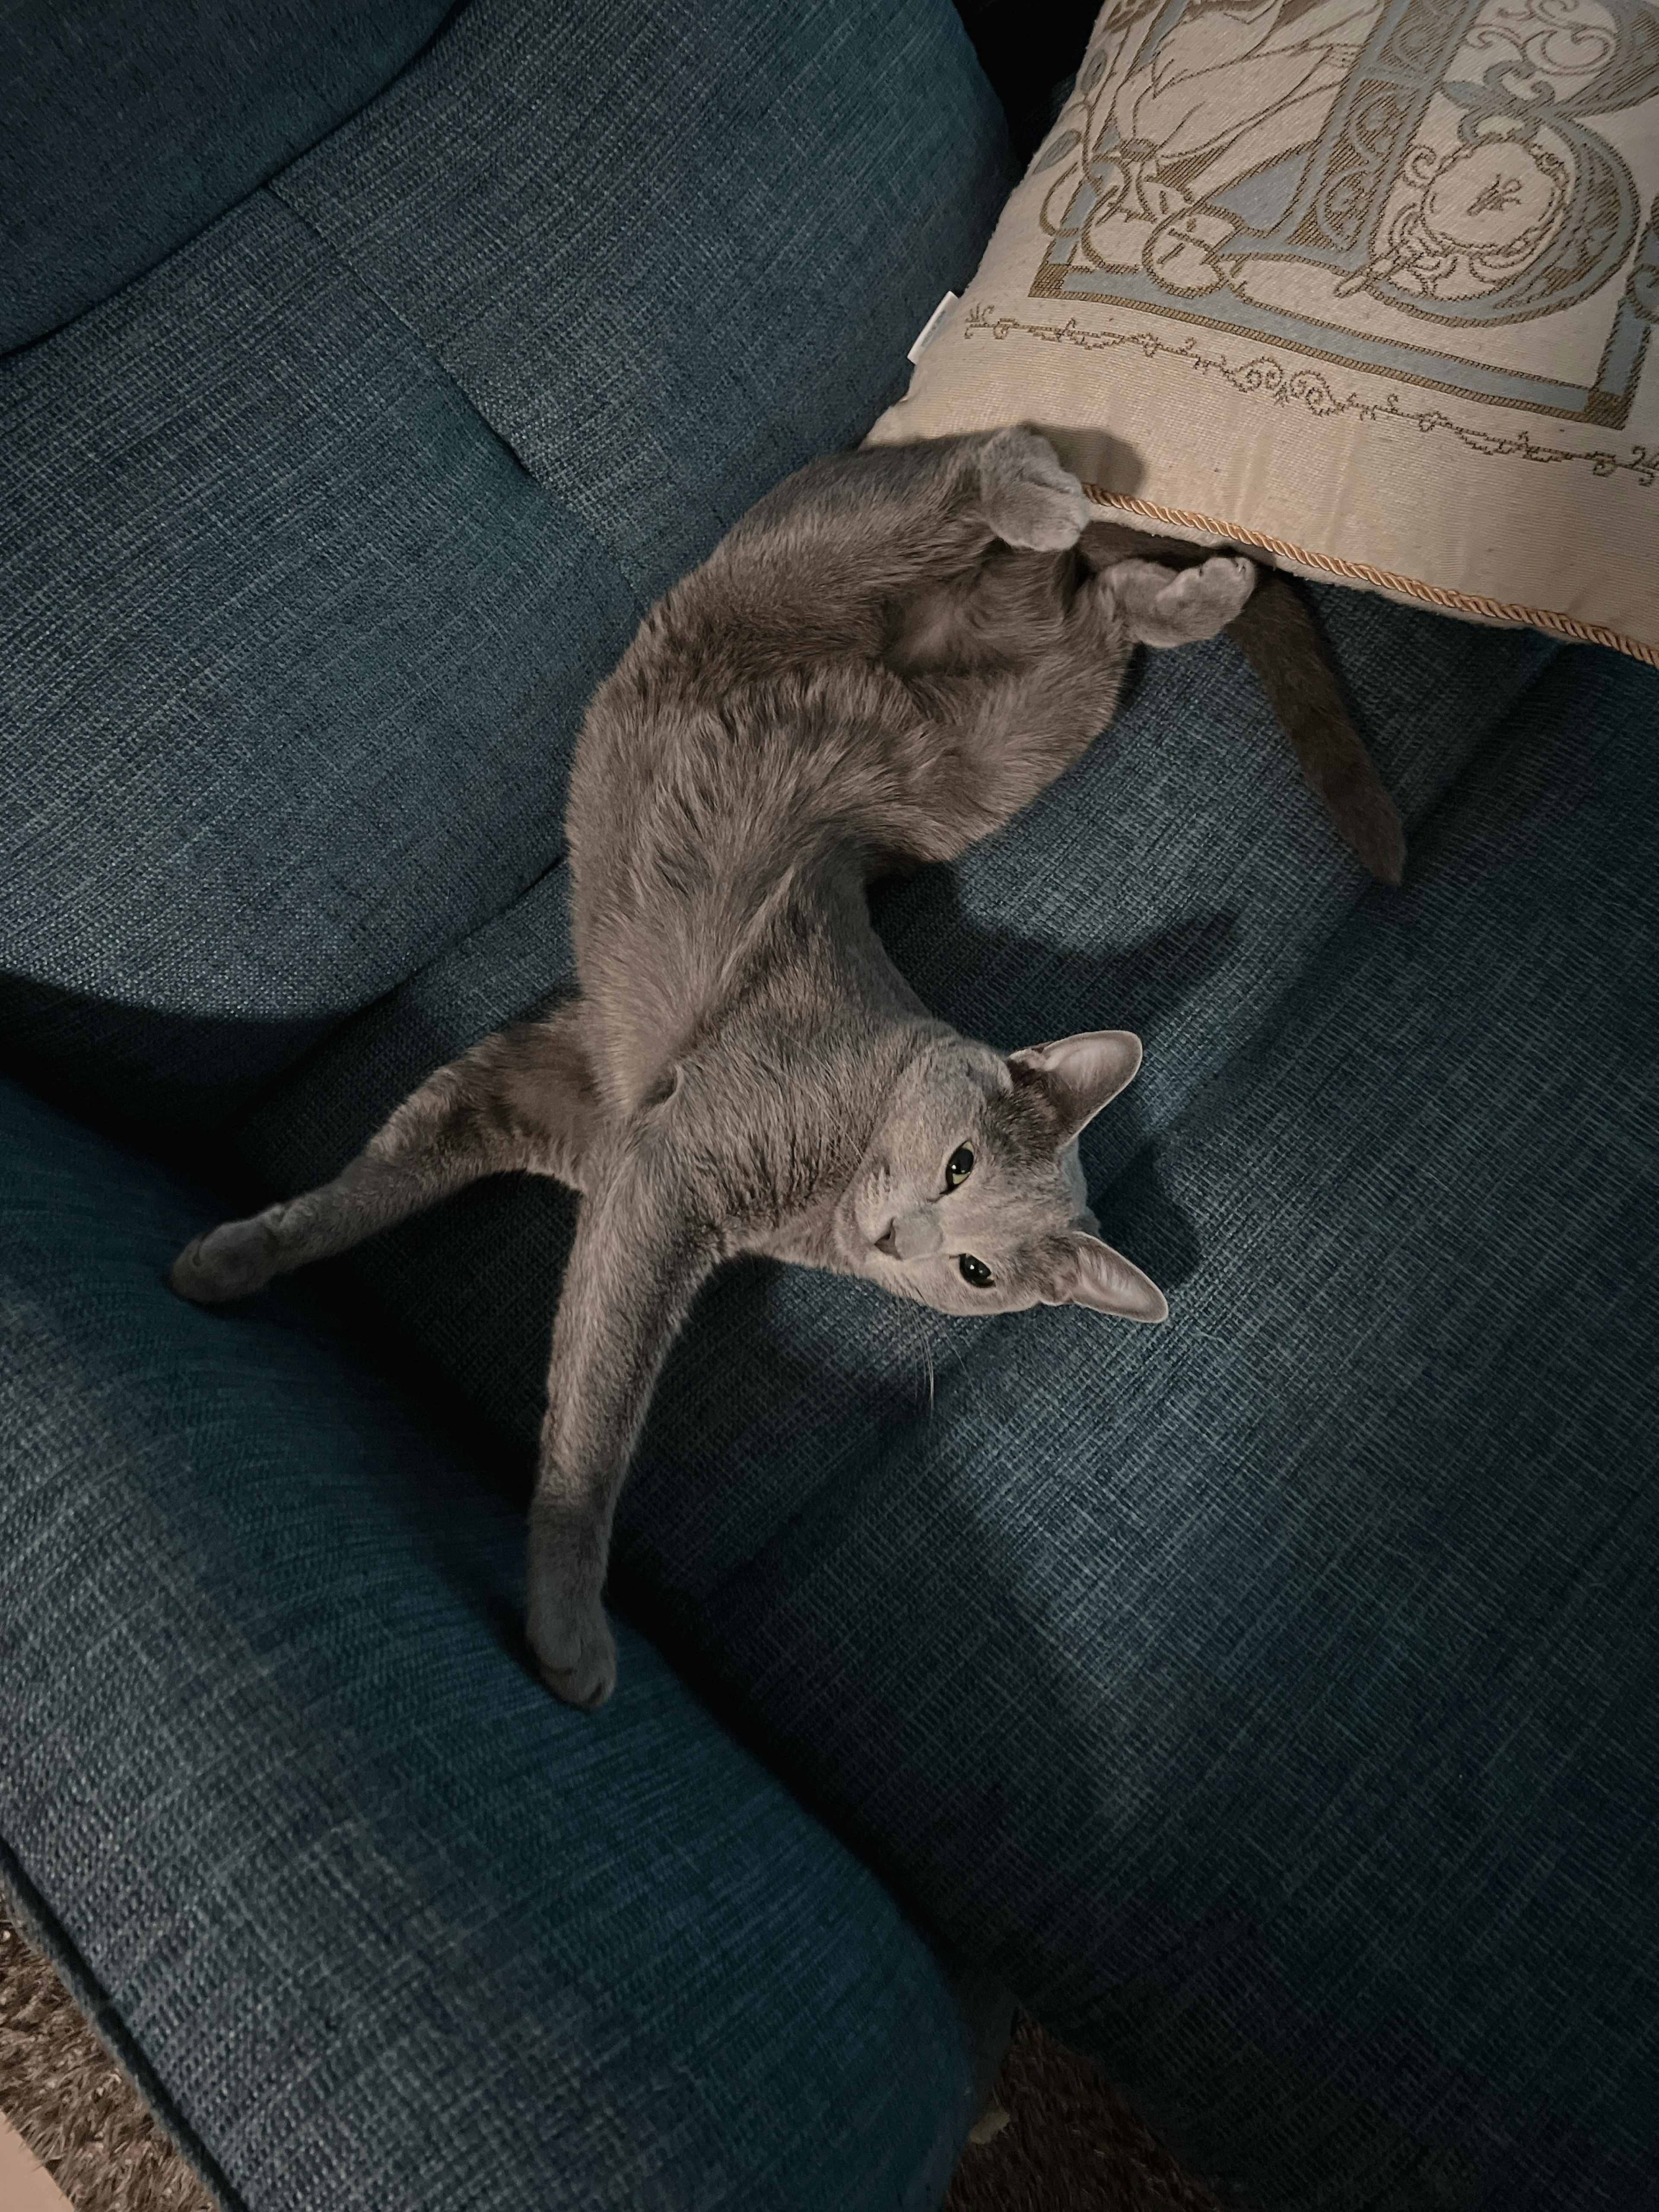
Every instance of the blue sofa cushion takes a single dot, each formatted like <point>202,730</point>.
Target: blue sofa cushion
<point>125,128</point>
<point>1273,1697</point>
<point>670,251</point>
<point>1268,1698</point>
<point>295,648</point>
<point>296,657</point>
<point>382,1925</point>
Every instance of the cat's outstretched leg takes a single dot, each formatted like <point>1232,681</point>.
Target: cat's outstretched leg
<point>637,1264</point>
<point>523,1100</point>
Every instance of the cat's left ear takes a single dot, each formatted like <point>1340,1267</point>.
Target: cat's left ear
<point>1079,1074</point>
<point>1087,1273</point>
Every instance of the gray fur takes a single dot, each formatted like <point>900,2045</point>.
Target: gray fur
<point>1277,632</point>
<point>885,660</point>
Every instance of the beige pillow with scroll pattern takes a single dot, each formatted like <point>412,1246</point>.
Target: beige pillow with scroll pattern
<point>1370,284</point>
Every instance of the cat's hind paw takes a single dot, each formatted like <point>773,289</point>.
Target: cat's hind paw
<point>1027,498</point>
<point>1177,606</point>
<point>231,1262</point>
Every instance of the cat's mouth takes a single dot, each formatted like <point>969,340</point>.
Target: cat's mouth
<point>916,1236</point>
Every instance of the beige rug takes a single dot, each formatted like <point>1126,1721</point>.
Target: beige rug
<point>73,2106</point>
<point>1068,2141</point>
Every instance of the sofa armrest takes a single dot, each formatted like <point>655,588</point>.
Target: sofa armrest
<point>377,1920</point>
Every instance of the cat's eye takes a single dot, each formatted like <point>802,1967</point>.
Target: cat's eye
<point>958,1168</point>
<point>975,1270</point>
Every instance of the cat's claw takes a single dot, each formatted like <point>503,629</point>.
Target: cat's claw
<point>575,1649</point>
<point>231,1262</point>
<point>1029,499</point>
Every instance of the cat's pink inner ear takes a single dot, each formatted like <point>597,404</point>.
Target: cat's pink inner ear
<point>1079,1074</point>
<point>1092,1274</point>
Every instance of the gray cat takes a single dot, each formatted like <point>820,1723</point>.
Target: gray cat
<point>887,658</point>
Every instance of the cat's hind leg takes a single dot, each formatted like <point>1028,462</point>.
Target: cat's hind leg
<point>523,1099</point>
<point>1166,606</point>
<point>1013,680</point>
<point>827,563</point>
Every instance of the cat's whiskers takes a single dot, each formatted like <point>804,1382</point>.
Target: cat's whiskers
<point>913,1314</point>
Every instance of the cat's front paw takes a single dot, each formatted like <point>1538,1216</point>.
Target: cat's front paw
<point>1027,498</point>
<point>230,1262</point>
<point>574,1648</point>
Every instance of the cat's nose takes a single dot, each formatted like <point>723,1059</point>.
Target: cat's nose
<point>884,1241</point>
<point>915,1236</point>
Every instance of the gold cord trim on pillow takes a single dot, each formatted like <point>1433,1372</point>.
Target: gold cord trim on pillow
<point>1434,595</point>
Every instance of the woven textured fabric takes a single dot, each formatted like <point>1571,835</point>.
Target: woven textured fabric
<point>671,249</point>
<point>1269,1699</point>
<point>384,1925</point>
<point>296,655</point>
<point>295,650</point>
<point>126,128</point>
<point>1174,881</point>
<point>1273,1696</point>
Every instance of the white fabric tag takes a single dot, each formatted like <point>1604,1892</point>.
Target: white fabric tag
<point>931,325</point>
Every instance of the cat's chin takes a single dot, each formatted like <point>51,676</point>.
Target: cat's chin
<point>873,1267</point>
<point>857,1255</point>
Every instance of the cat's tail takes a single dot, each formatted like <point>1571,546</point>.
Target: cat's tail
<point>1277,634</point>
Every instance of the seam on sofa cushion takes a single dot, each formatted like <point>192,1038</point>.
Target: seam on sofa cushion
<point>456,949</point>
<point>359,277</point>
<point>449,790</point>
<point>947,1376</point>
<point>282,161</point>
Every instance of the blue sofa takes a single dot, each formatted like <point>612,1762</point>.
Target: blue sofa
<point>1269,1703</point>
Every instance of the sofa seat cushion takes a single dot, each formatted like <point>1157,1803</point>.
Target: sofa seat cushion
<point>378,1922</point>
<point>1272,1698</point>
<point>1175,882</point>
<point>1269,1698</point>
<point>126,128</point>
<point>296,657</point>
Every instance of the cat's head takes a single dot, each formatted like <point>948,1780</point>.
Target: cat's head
<point>969,1197</point>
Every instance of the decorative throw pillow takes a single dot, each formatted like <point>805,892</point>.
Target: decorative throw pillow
<point>1370,284</point>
